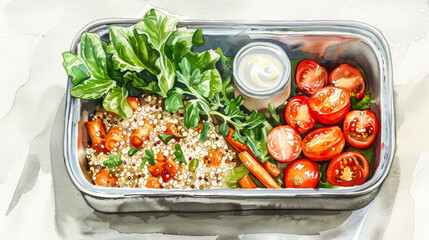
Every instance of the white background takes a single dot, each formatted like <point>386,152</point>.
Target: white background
<point>33,34</point>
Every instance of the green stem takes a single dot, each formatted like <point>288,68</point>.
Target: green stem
<point>225,118</point>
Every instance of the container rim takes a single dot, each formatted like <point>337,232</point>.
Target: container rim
<point>388,121</point>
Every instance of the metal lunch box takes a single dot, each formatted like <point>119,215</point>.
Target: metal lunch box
<point>328,42</point>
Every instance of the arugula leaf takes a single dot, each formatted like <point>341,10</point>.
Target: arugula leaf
<point>234,175</point>
<point>92,88</point>
<point>232,110</point>
<point>131,51</point>
<point>224,129</point>
<point>274,115</point>
<point>158,27</point>
<point>114,161</point>
<point>75,68</point>
<point>210,84</point>
<point>116,101</point>
<point>149,157</point>
<point>174,101</point>
<point>204,132</point>
<point>363,104</point>
<point>133,151</point>
<point>179,154</point>
<point>92,50</point>
<point>203,61</point>
<point>255,119</point>
<point>167,137</point>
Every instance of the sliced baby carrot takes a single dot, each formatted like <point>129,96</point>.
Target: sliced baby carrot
<point>134,103</point>
<point>103,178</point>
<point>241,147</point>
<point>156,169</point>
<point>214,158</point>
<point>115,136</point>
<point>257,170</point>
<point>271,168</point>
<point>141,134</point>
<point>97,134</point>
<point>247,182</point>
<point>153,182</point>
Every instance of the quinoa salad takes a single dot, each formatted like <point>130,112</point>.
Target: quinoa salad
<point>132,173</point>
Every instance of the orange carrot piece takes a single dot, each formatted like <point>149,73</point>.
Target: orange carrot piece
<point>257,170</point>
<point>153,182</point>
<point>172,130</point>
<point>115,136</point>
<point>160,157</point>
<point>241,147</point>
<point>103,178</point>
<point>97,133</point>
<point>141,134</point>
<point>214,158</point>
<point>271,168</point>
<point>247,182</point>
<point>156,169</point>
<point>134,103</point>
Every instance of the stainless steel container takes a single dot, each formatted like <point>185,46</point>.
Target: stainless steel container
<point>328,42</point>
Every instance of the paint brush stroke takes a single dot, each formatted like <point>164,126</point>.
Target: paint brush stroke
<point>26,181</point>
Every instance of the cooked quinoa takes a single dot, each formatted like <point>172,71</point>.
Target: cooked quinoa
<point>131,174</point>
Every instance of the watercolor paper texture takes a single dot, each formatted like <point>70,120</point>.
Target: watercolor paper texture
<point>39,201</point>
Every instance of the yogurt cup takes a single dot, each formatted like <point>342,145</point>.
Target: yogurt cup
<point>274,88</point>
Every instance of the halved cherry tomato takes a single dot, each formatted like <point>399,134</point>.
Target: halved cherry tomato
<point>329,104</point>
<point>153,182</point>
<point>310,76</point>
<point>324,143</point>
<point>141,134</point>
<point>349,78</point>
<point>284,143</point>
<point>298,115</point>
<point>301,173</point>
<point>134,103</point>
<point>103,178</point>
<point>360,128</point>
<point>348,169</point>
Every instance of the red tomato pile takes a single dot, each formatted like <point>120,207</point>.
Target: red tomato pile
<point>327,105</point>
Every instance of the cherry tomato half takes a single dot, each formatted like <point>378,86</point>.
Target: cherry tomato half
<point>329,104</point>
<point>348,169</point>
<point>349,78</point>
<point>284,143</point>
<point>301,173</point>
<point>310,76</point>
<point>360,128</point>
<point>298,114</point>
<point>324,143</point>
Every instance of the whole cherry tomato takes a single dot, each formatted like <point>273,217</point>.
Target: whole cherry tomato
<point>301,173</point>
<point>324,143</point>
<point>298,114</point>
<point>349,78</point>
<point>360,128</point>
<point>284,143</point>
<point>329,104</point>
<point>348,169</point>
<point>310,76</point>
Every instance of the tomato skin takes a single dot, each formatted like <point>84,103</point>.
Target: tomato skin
<point>297,114</point>
<point>301,173</point>
<point>329,104</point>
<point>284,143</point>
<point>323,143</point>
<point>349,78</point>
<point>363,122</point>
<point>348,169</point>
<point>310,76</point>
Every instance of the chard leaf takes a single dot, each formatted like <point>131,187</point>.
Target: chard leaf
<point>92,88</point>
<point>139,83</point>
<point>92,51</point>
<point>174,102</point>
<point>75,68</point>
<point>363,104</point>
<point>181,42</point>
<point>205,131</point>
<point>235,174</point>
<point>116,102</point>
<point>204,61</point>
<point>166,75</point>
<point>131,51</point>
<point>178,153</point>
<point>114,161</point>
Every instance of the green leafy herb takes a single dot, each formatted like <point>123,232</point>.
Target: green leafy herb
<point>274,115</point>
<point>150,157</point>
<point>114,161</point>
<point>363,104</point>
<point>174,101</point>
<point>367,153</point>
<point>322,179</point>
<point>234,175</point>
<point>75,68</point>
<point>116,101</point>
<point>179,154</point>
<point>133,151</point>
<point>224,129</point>
<point>167,137</point>
<point>204,132</point>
